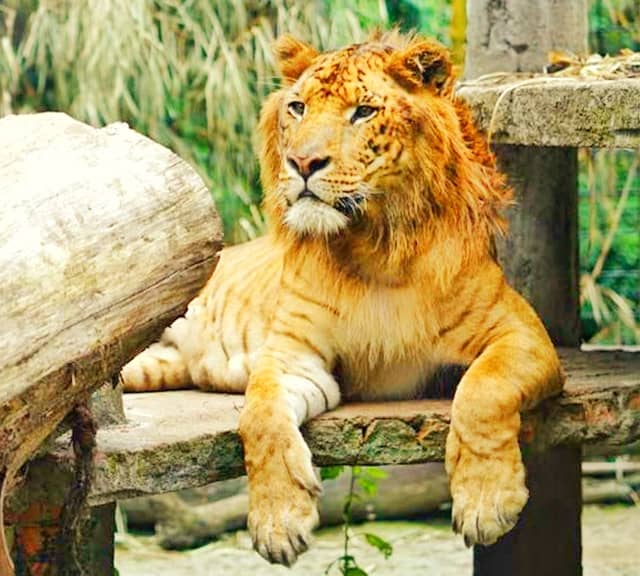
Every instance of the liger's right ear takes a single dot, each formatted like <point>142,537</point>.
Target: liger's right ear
<point>293,57</point>
<point>423,64</point>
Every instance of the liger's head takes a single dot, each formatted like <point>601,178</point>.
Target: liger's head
<point>365,138</point>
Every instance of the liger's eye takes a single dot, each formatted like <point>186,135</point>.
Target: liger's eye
<point>296,109</point>
<point>363,112</point>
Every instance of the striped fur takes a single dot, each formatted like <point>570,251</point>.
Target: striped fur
<point>384,203</point>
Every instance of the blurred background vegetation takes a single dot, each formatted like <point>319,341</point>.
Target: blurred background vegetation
<point>191,75</point>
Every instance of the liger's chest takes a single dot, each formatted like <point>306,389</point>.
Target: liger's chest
<point>386,343</point>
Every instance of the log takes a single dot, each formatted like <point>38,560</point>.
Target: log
<point>406,492</point>
<point>617,468</point>
<point>104,238</point>
<point>597,491</point>
<point>182,526</point>
<point>181,521</point>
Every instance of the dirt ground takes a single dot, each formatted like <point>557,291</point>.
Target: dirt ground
<point>610,548</point>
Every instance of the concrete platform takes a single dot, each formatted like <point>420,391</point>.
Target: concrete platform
<point>557,111</point>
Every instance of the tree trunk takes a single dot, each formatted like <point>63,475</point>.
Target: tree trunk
<point>104,238</point>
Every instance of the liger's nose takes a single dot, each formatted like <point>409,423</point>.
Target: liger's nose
<point>307,165</point>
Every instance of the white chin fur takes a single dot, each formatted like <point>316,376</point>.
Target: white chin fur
<point>316,218</point>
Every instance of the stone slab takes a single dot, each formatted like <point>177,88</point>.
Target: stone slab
<point>556,111</point>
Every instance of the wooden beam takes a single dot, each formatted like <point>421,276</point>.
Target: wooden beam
<point>181,439</point>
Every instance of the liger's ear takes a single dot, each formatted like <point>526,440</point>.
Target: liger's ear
<point>293,57</point>
<point>423,64</point>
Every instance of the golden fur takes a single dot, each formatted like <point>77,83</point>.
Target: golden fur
<point>379,267</point>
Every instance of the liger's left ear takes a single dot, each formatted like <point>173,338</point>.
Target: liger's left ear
<point>293,57</point>
<point>423,64</point>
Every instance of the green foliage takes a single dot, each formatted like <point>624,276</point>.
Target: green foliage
<point>613,24</point>
<point>609,207</point>
<point>331,472</point>
<point>367,479</point>
<point>364,479</point>
<point>609,213</point>
<point>380,544</point>
<point>430,17</point>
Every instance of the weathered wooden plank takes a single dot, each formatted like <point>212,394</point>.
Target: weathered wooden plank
<point>179,439</point>
<point>557,111</point>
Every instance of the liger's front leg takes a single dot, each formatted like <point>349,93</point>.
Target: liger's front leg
<point>290,384</point>
<point>517,367</point>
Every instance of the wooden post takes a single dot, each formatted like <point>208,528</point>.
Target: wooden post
<point>541,255</point>
<point>33,539</point>
<point>541,261</point>
<point>554,502</point>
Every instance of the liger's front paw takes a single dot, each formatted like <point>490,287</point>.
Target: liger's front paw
<point>283,497</point>
<point>281,521</point>
<point>488,490</point>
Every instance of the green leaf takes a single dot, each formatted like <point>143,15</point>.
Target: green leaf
<point>346,563</point>
<point>382,545</point>
<point>347,560</point>
<point>331,472</point>
<point>368,485</point>
<point>355,571</point>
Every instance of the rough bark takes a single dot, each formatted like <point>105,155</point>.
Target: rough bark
<point>540,255</point>
<point>104,238</point>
